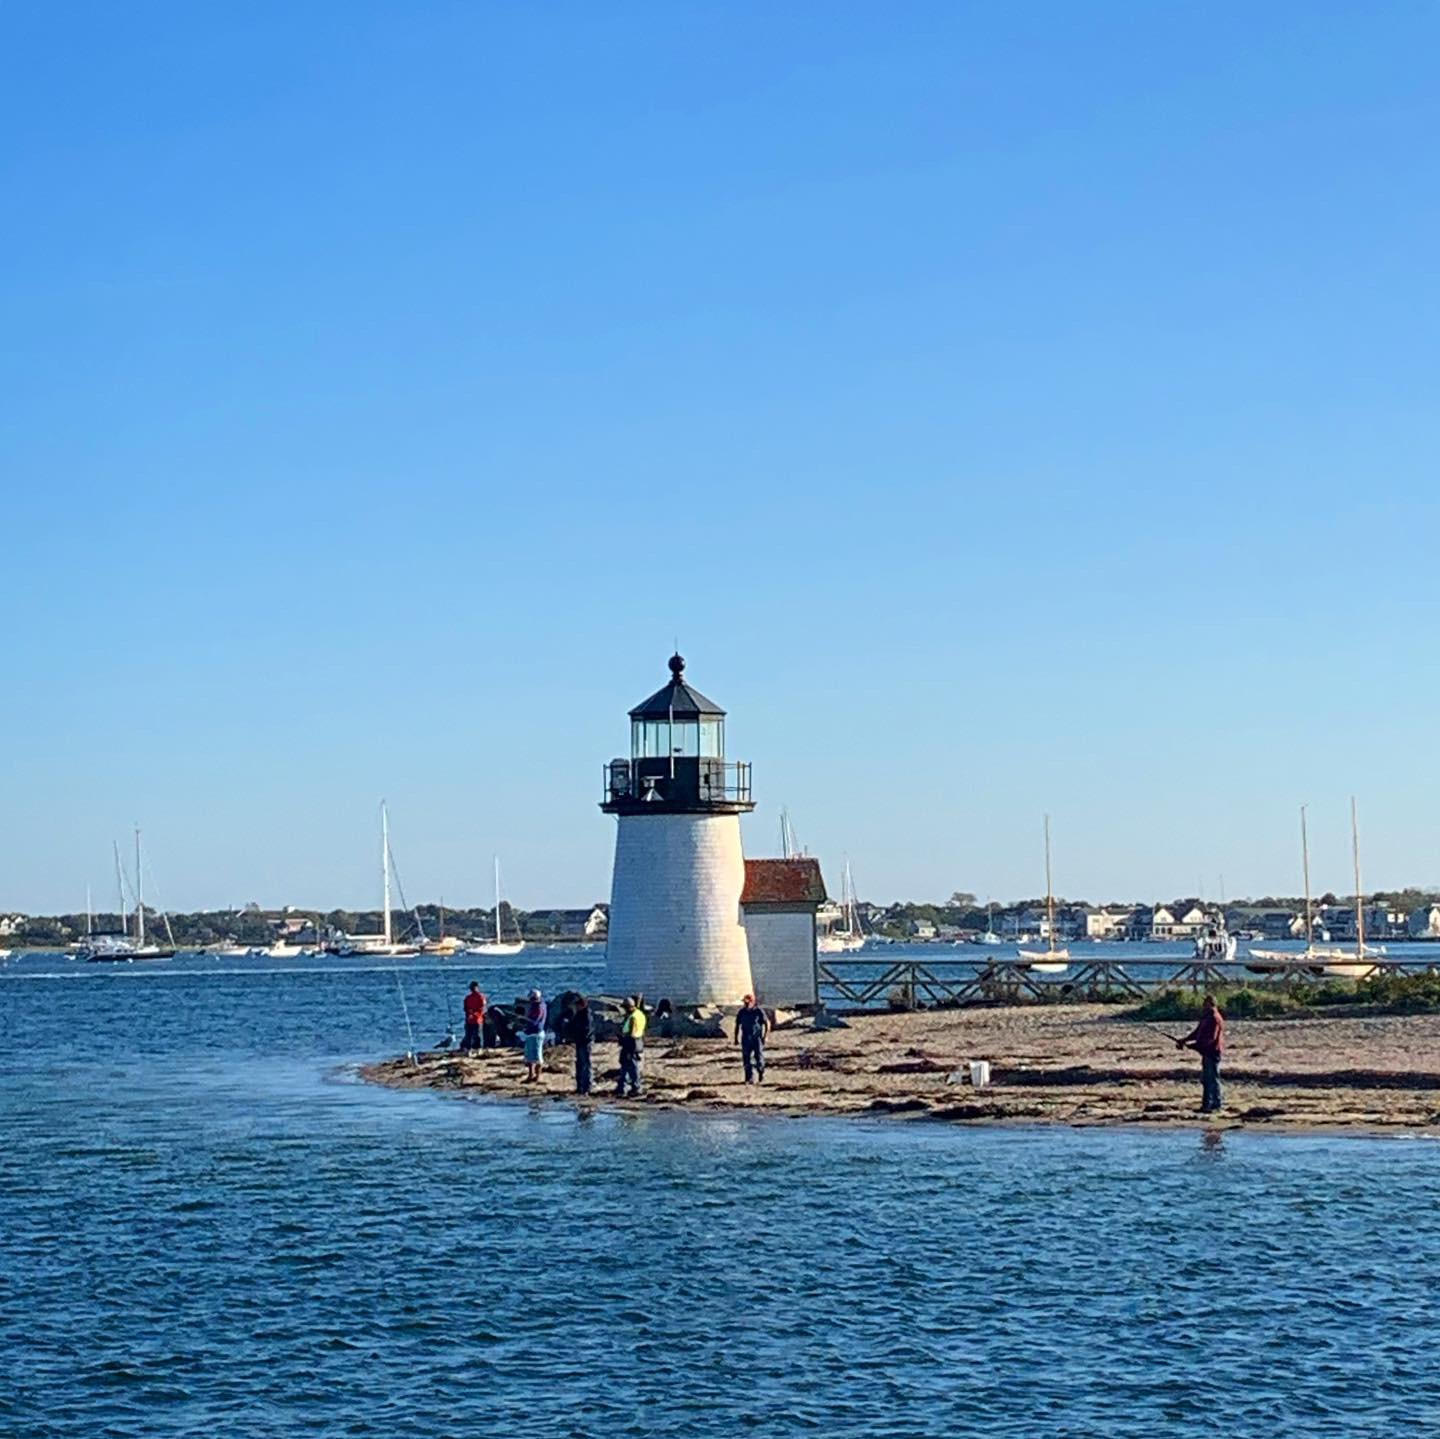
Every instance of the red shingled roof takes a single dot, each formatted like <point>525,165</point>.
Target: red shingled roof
<point>783,881</point>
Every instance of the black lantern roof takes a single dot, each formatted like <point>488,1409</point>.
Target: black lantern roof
<point>677,699</point>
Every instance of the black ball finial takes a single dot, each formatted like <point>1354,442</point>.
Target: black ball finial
<point>677,666</point>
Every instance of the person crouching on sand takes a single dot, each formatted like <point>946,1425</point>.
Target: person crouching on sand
<point>534,1036</point>
<point>751,1026</point>
<point>1208,1039</point>
<point>474,1019</point>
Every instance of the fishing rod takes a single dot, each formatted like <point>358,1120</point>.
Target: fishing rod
<point>1173,1038</point>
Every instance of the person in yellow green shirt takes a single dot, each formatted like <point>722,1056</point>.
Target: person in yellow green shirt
<point>632,1048</point>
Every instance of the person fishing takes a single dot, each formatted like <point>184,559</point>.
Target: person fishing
<point>534,1037</point>
<point>582,1035</point>
<point>632,1048</point>
<point>752,1024</point>
<point>474,1019</point>
<point>1208,1040</point>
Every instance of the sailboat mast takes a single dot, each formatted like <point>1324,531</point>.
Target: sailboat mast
<point>1305,862</point>
<point>497,899</point>
<point>89,916</point>
<point>1049,893</point>
<point>120,892</point>
<point>139,895</point>
<point>1359,896</point>
<point>385,867</point>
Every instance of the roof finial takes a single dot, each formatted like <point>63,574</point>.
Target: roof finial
<point>677,665</point>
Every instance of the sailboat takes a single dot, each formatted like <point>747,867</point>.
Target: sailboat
<point>118,948</point>
<point>990,937</point>
<point>849,936</point>
<point>1361,962</point>
<point>445,944</point>
<point>1314,959</point>
<point>499,945</point>
<point>382,944</point>
<point>1049,960</point>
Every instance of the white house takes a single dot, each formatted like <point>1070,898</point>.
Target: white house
<point>777,907</point>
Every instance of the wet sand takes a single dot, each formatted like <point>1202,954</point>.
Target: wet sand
<point>1075,1065</point>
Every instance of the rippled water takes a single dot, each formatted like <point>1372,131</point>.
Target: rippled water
<point>209,1227</point>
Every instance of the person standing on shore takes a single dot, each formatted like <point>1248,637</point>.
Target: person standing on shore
<point>752,1024</point>
<point>474,1019</point>
<point>632,1049</point>
<point>582,1035</point>
<point>534,1037</point>
<point>1208,1039</point>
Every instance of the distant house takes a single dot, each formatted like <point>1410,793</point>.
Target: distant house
<point>1180,921</point>
<point>1109,923</point>
<point>1384,921</point>
<point>583,924</point>
<point>1425,922</point>
<point>922,929</point>
<point>11,923</point>
<point>778,907</point>
<point>1162,923</point>
<point>1025,921</point>
<point>1270,923</point>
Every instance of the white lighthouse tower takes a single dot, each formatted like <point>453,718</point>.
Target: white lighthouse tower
<point>675,924</point>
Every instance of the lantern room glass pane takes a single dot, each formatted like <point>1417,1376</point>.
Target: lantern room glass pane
<point>712,738</point>
<point>649,739</point>
<point>685,739</point>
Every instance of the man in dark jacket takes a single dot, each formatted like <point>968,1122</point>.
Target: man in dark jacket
<point>1208,1039</point>
<point>751,1026</point>
<point>582,1036</point>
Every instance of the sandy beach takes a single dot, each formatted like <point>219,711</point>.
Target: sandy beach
<point>1077,1065</point>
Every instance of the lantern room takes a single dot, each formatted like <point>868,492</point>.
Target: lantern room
<point>677,756</point>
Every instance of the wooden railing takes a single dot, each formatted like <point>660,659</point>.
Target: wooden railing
<point>864,980</point>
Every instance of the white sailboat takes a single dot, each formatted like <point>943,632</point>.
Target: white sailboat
<point>1314,958</point>
<point>112,948</point>
<point>990,937</point>
<point>1049,960</point>
<point>849,936</point>
<point>499,945</point>
<point>382,945</point>
<point>1358,963</point>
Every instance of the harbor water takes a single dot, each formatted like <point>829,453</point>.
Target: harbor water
<point>212,1227</point>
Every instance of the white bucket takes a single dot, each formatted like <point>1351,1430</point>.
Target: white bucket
<point>979,1073</point>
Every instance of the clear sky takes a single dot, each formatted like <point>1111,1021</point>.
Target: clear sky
<point>1010,407</point>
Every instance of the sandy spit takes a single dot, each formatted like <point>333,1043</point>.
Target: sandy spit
<point>1076,1065</point>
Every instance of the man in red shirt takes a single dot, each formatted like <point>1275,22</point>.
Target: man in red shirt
<point>474,1019</point>
<point>1208,1038</point>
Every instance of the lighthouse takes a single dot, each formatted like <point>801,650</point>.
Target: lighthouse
<point>676,930</point>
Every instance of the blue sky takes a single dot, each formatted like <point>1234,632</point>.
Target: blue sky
<point>1011,408</point>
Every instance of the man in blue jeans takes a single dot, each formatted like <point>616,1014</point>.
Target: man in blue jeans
<point>1208,1039</point>
<point>751,1026</point>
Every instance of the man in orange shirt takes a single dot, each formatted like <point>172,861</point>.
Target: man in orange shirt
<point>474,1019</point>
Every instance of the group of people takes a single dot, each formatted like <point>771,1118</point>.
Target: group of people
<point>752,1026</point>
<point>577,1026</point>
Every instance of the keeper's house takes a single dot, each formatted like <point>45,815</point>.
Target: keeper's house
<point>778,906</point>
